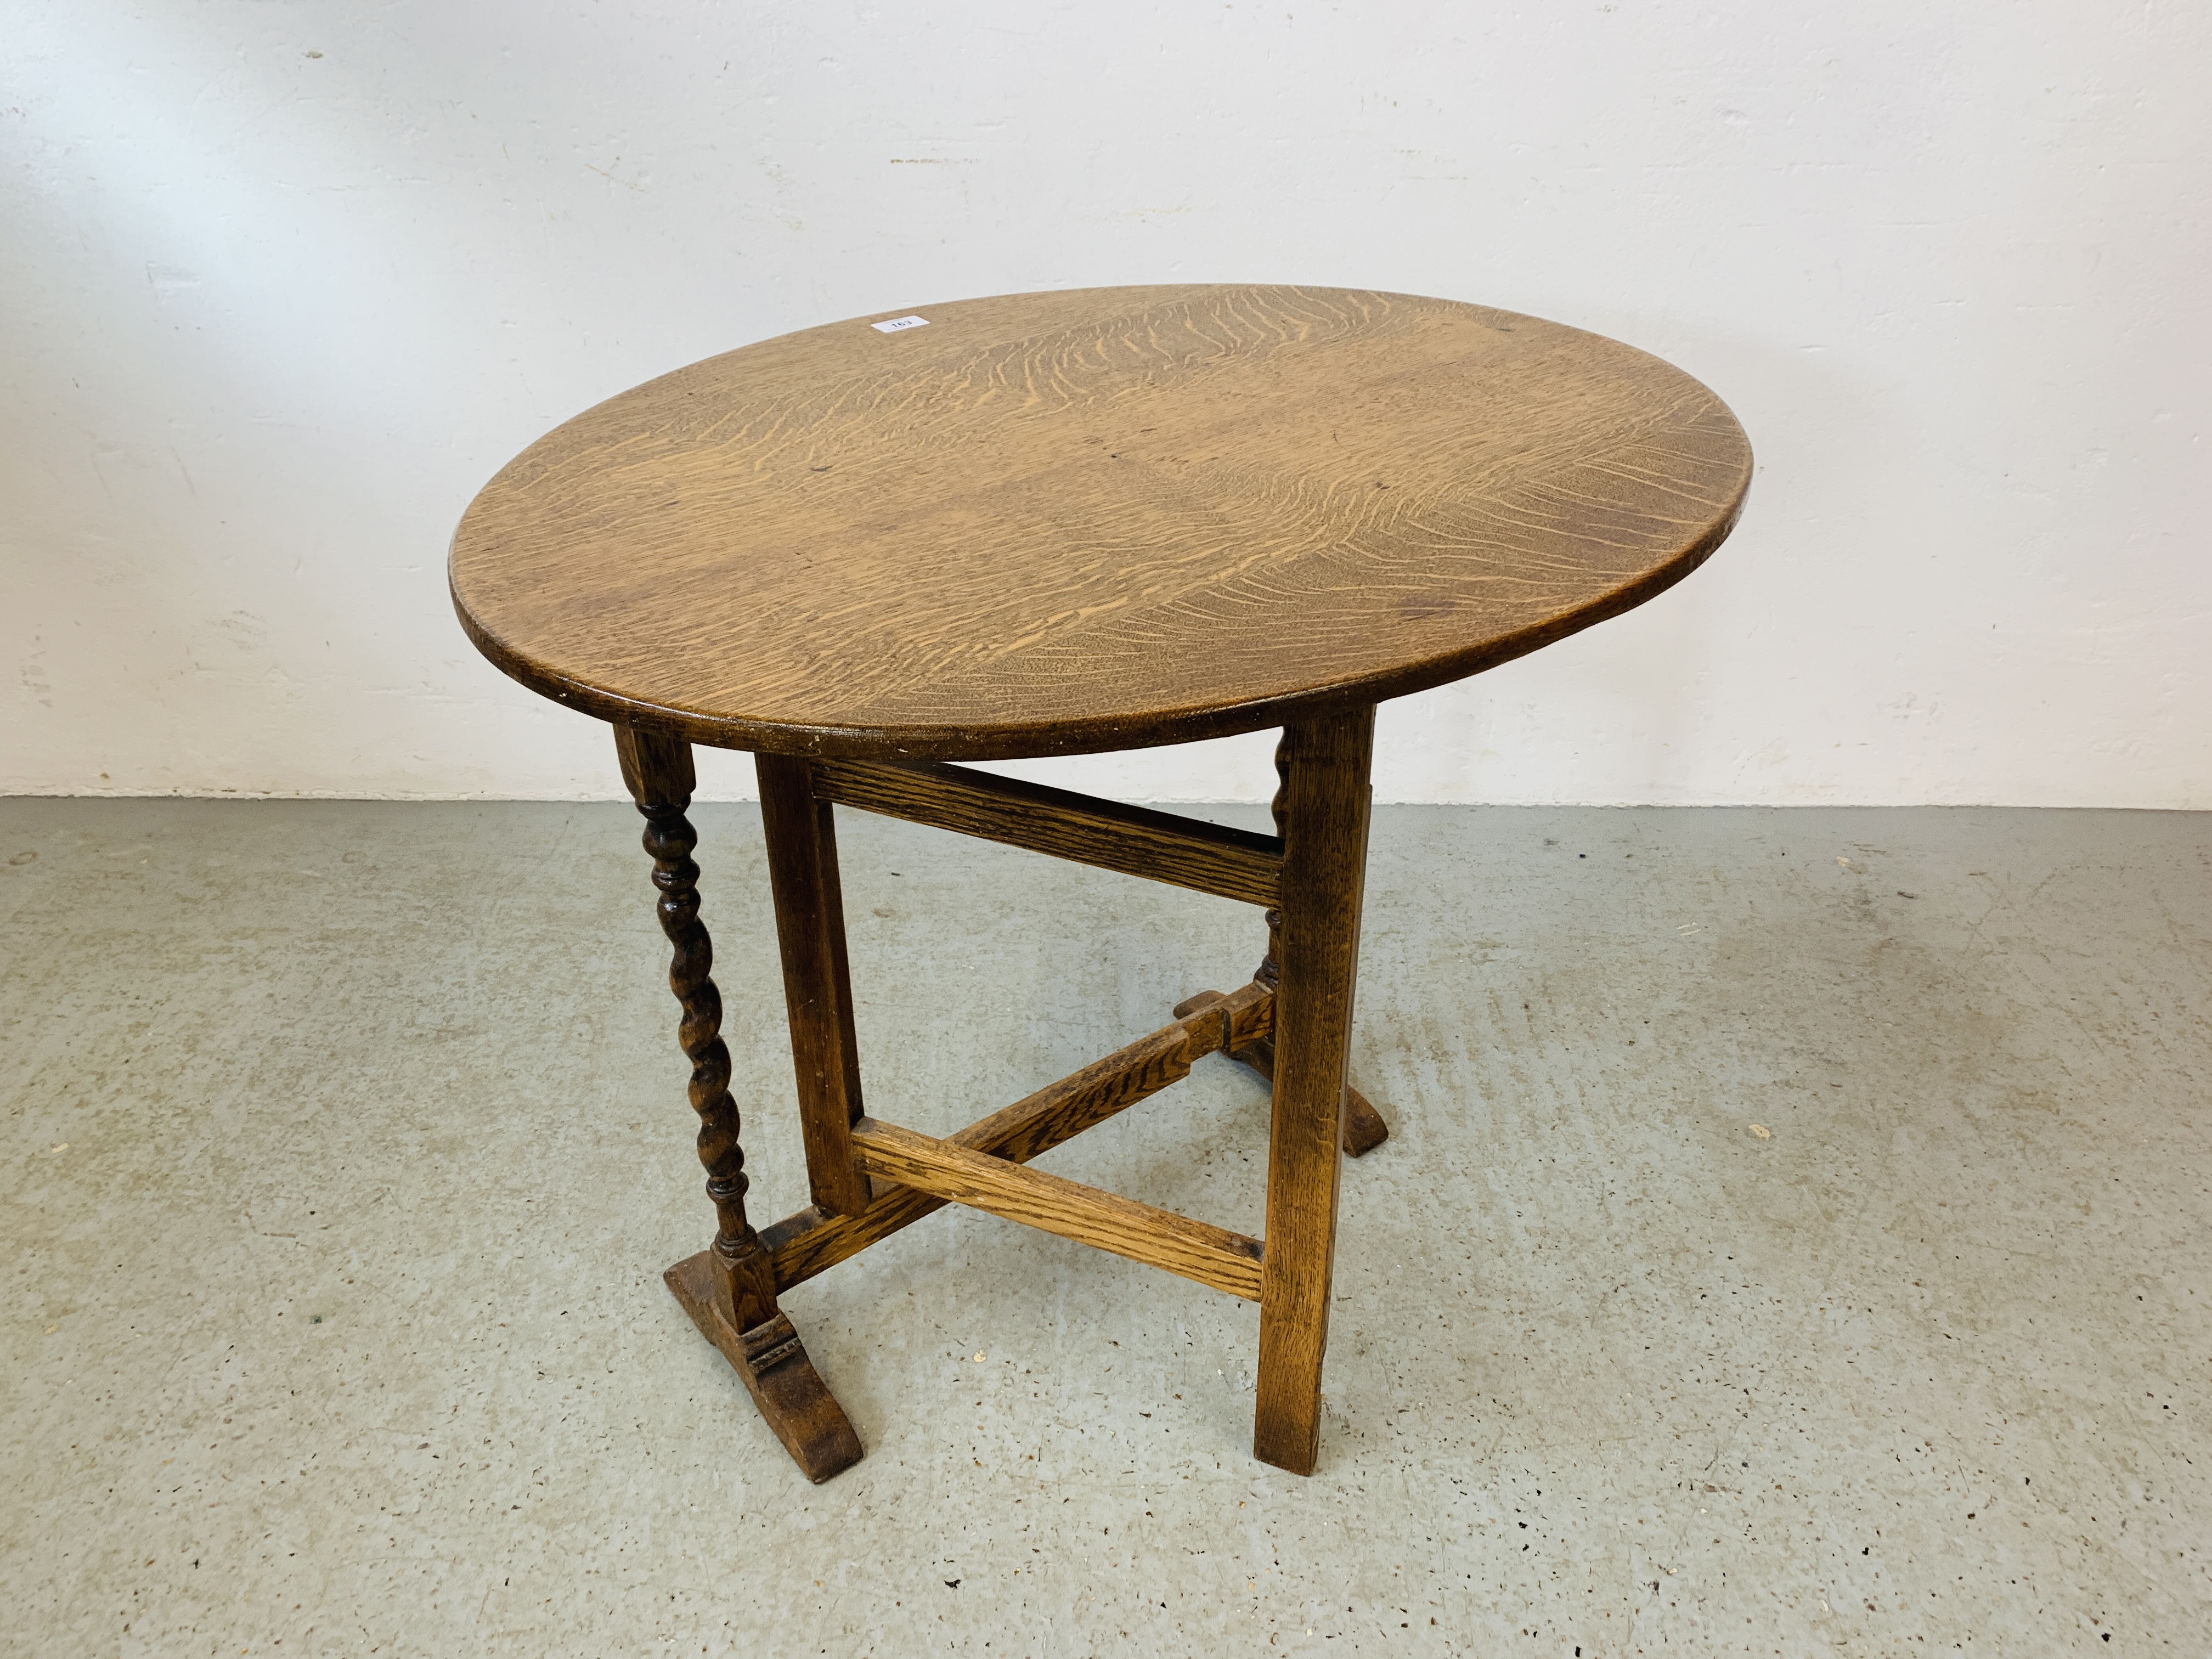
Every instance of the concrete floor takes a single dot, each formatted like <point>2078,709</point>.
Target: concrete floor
<point>344,1145</point>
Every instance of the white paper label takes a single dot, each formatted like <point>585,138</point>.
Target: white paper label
<point>898,322</point>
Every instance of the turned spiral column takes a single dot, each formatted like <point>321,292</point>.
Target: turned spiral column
<point>660,778</point>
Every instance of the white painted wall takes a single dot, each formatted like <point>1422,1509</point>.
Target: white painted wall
<point>282,284</point>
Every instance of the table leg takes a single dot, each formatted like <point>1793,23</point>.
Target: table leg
<point>1364,1128</point>
<point>728,1290</point>
<point>817,985</point>
<point>1324,829</point>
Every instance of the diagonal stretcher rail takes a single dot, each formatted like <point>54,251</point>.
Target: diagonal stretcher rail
<point>804,1245</point>
<point>1142,1232</point>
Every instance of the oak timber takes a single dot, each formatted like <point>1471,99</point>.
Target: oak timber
<point>1091,519</point>
<point>1053,524</point>
<point>1324,872</point>
<point>1364,1128</point>
<point>818,988</point>
<point>1143,1232</point>
<point>729,1288</point>
<point>1211,858</point>
<point>804,1245</point>
<point>772,1363</point>
<point>657,769</point>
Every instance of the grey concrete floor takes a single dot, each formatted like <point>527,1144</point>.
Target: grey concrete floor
<point>344,1145</point>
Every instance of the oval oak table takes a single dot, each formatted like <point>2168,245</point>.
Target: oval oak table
<point>1056,524</point>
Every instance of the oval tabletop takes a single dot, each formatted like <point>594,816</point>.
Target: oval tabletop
<point>1101,518</point>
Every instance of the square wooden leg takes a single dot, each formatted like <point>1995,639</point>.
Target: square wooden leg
<point>1325,858</point>
<point>817,985</point>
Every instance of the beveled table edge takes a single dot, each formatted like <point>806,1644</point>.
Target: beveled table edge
<point>1030,739</point>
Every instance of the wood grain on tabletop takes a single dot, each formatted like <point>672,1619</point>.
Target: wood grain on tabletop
<point>1091,519</point>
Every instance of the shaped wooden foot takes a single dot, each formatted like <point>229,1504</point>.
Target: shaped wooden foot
<point>1364,1128</point>
<point>771,1361</point>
